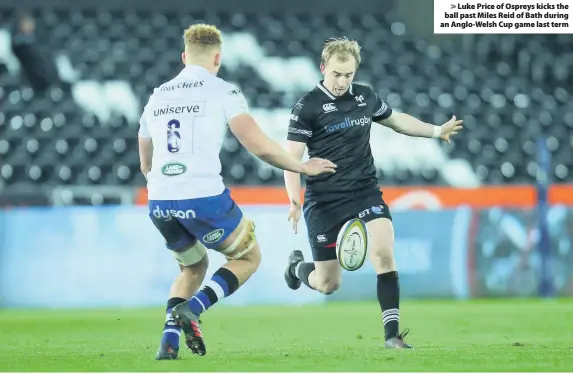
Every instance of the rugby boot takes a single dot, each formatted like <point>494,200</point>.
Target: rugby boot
<point>293,259</point>
<point>398,341</point>
<point>189,323</point>
<point>166,352</point>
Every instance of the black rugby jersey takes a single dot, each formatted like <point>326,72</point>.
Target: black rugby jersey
<point>338,129</point>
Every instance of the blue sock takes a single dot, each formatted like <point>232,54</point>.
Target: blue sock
<point>171,330</point>
<point>222,284</point>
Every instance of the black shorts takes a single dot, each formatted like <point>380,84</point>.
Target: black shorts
<point>324,221</point>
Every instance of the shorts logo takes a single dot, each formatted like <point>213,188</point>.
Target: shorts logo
<point>173,169</point>
<point>321,238</point>
<point>364,213</point>
<point>376,209</point>
<point>214,236</point>
<point>329,107</point>
<point>168,214</point>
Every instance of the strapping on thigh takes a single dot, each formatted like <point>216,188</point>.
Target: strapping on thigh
<point>191,255</point>
<point>244,243</point>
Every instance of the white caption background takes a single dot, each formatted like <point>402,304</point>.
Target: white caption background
<point>503,17</point>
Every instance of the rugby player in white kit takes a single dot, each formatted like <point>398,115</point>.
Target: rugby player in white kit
<point>180,137</point>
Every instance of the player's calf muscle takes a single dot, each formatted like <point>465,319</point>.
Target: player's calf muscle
<point>189,280</point>
<point>326,277</point>
<point>245,267</point>
<point>242,251</point>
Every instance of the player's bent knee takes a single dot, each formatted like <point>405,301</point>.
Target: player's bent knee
<point>328,286</point>
<point>254,256</point>
<point>383,257</point>
<point>197,268</point>
<point>191,255</point>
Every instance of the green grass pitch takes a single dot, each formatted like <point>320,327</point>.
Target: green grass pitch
<point>501,335</point>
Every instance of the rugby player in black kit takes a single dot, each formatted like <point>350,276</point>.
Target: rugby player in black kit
<point>333,121</point>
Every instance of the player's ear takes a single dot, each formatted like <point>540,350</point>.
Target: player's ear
<point>217,59</point>
<point>183,59</point>
<point>322,68</point>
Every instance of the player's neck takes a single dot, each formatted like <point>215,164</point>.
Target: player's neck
<point>331,91</point>
<point>208,67</point>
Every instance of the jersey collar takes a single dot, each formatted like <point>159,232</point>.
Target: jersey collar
<point>325,90</point>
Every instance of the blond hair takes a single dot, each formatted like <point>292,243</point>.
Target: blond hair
<point>342,49</point>
<point>202,38</point>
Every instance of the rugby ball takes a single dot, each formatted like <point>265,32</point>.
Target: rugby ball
<point>352,244</point>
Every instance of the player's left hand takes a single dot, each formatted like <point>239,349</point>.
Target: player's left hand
<point>450,128</point>
<point>294,216</point>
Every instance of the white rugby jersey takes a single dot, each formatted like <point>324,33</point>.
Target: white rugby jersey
<point>186,119</point>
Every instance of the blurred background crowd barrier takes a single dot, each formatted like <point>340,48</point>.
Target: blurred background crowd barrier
<point>488,216</point>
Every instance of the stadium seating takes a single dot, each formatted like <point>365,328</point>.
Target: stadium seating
<point>509,90</point>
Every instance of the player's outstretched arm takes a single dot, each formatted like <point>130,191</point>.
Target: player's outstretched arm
<point>145,154</point>
<point>257,142</point>
<point>406,124</point>
<point>292,180</point>
<point>292,183</point>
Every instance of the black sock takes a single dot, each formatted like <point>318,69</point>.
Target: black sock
<point>223,283</point>
<point>304,270</point>
<point>173,302</point>
<point>171,330</point>
<point>388,290</point>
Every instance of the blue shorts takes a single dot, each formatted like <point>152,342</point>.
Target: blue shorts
<point>208,219</point>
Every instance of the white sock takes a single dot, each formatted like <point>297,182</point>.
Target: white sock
<point>297,268</point>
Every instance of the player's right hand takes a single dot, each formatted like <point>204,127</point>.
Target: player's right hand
<point>294,216</point>
<point>316,166</point>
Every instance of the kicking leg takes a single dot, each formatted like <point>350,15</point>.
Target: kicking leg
<point>324,274</point>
